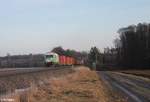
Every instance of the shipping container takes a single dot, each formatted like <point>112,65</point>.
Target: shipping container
<point>60,60</point>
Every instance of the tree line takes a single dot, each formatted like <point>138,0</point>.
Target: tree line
<point>133,46</point>
<point>131,49</point>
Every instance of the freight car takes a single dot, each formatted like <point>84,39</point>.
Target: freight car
<point>55,59</point>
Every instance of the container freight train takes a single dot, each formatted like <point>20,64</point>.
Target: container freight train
<point>55,59</point>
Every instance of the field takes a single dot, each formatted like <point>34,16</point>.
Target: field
<point>78,84</point>
<point>144,73</point>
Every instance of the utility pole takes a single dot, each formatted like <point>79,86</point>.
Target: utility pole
<point>94,64</point>
<point>95,61</point>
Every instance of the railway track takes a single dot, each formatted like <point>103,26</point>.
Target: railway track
<point>15,71</point>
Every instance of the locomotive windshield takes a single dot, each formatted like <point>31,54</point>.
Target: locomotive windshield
<point>49,56</point>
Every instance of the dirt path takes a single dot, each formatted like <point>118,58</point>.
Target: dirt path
<point>134,88</point>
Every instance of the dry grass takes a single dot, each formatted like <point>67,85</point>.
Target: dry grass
<point>77,85</point>
<point>9,84</point>
<point>81,86</point>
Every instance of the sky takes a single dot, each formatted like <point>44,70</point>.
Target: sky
<point>37,26</point>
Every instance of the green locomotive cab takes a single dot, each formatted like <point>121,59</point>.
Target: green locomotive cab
<point>51,59</point>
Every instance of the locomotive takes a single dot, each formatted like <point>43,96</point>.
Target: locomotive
<point>54,59</point>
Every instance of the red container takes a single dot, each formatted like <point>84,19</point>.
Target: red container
<point>61,60</point>
<point>67,60</point>
<point>72,61</point>
<point>64,60</point>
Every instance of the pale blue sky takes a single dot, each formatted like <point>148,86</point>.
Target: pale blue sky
<point>36,26</point>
